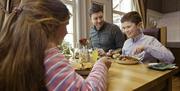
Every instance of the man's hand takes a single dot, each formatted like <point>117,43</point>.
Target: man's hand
<point>101,52</point>
<point>109,53</point>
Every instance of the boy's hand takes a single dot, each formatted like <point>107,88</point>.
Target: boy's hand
<point>138,49</point>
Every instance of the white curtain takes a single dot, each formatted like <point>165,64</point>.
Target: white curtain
<point>140,6</point>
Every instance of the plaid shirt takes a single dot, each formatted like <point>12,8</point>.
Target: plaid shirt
<point>108,37</point>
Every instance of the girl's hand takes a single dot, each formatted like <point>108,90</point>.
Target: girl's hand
<point>106,61</point>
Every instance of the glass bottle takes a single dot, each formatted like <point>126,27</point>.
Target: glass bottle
<point>84,54</point>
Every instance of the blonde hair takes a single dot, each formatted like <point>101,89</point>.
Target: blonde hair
<point>23,41</point>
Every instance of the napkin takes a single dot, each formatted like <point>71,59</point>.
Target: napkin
<point>161,66</point>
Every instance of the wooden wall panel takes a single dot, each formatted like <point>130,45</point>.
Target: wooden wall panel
<point>169,6</point>
<point>164,6</point>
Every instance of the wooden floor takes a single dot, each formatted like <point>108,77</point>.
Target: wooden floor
<point>176,83</point>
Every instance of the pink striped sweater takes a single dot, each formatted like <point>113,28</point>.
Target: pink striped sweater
<point>60,76</point>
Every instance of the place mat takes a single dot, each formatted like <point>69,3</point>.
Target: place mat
<point>161,66</point>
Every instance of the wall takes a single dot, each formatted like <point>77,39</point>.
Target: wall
<point>152,18</point>
<point>170,6</point>
<point>172,21</point>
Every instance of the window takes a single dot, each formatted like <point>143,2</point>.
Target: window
<point>120,7</point>
<point>70,27</point>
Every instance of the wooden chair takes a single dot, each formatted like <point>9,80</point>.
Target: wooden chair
<point>159,33</point>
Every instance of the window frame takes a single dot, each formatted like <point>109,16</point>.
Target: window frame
<point>121,13</point>
<point>72,3</point>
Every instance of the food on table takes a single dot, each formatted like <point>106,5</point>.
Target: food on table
<point>77,66</point>
<point>87,65</point>
<point>116,56</point>
<point>82,65</point>
<point>127,60</point>
<point>114,53</point>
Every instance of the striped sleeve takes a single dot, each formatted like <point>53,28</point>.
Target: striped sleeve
<point>60,76</point>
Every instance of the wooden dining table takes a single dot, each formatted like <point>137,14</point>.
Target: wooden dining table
<point>138,77</point>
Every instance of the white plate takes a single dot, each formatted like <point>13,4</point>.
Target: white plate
<point>132,60</point>
<point>127,62</point>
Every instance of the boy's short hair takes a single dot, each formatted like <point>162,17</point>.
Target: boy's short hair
<point>132,16</point>
<point>95,8</point>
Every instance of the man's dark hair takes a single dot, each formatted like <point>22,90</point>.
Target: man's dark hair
<point>95,8</point>
<point>132,16</point>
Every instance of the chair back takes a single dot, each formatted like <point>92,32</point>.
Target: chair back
<point>159,33</point>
